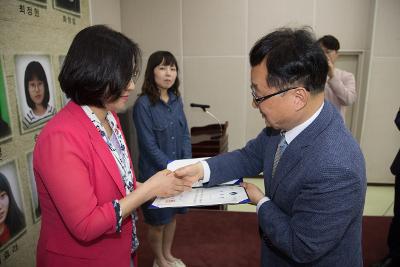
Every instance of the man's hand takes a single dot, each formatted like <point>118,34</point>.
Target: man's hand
<point>254,193</point>
<point>191,173</point>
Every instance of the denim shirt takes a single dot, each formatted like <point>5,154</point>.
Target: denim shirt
<point>162,132</point>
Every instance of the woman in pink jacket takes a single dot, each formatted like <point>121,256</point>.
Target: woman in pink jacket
<point>87,189</point>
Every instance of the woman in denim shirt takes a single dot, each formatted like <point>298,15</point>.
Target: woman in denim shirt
<point>163,136</point>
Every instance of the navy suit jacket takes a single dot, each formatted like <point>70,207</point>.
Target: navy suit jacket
<point>314,217</point>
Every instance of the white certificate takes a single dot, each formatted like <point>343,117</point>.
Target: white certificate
<point>227,194</point>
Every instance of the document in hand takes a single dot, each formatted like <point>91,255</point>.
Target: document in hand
<point>227,193</point>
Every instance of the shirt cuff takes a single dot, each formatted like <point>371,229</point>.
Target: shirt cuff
<point>118,215</point>
<point>206,171</point>
<point>262,201</point>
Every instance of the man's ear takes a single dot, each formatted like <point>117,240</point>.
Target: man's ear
<point>301,97</point>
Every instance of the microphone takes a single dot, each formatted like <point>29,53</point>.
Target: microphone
<point>202,106</point>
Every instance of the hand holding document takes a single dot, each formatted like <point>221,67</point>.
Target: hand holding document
<point>227,193</point>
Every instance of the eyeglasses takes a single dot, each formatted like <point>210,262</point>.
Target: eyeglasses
<point>257,100</point>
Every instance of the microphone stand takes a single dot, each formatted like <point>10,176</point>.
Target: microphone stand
<point>204,108</point>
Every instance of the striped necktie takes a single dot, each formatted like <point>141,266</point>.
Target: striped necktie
<point>278,154</point>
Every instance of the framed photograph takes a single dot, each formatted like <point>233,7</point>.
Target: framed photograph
<point>12,217</point>
<point>41,3</point>
<point>31,177</point>
<point>69,6</point>
<point>64,98</point>
<point>35,90</point>
<point>5,121</point>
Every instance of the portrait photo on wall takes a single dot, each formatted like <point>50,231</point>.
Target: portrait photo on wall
<point>64,98</point>
<point>41,3</point>
<point>5,122</point>
<point>68,6</point>
<point>35,90</point>
<point>34,194</point>
<point>12,218</point>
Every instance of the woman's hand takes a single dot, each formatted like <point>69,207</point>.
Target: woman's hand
<point>165,184</point>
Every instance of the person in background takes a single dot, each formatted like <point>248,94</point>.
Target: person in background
<point>393,241</point>
<point>12,219</point>
<point>163,136</point>
<point>37,96</point>
<point>314,170</point>
<point>87,189</point>
<point>340,87</point>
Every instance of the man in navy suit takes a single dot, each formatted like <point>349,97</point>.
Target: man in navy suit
<point>393,240</point>
<point>314,171</point>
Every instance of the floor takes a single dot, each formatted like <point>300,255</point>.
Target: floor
<point>378,202</point>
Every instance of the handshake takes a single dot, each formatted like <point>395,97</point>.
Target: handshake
<point>168,183</point>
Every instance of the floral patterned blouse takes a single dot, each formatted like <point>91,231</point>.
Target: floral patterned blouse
<point>117,146</point>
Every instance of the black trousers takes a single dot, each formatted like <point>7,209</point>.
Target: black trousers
<point>394,230</point>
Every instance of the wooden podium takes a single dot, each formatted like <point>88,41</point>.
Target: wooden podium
<point>208,141</point>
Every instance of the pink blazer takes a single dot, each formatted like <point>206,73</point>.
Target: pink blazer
<point>340,90</point>
<point>77,178</point>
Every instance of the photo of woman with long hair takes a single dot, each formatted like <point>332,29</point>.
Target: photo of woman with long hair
<point>12,219</point>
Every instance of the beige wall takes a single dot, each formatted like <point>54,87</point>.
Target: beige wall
<point>106,12</point>
<point>211,40</point>
<point>380,138</point>
<point>27,34</point>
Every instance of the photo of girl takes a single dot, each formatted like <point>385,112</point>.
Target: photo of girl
<point>37,95</point>
<point>5,129</point>
<point>35,86</point>
<point>12,219</point>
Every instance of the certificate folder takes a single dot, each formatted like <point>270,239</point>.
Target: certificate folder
<point>227,193</point>
<point>201,196</point>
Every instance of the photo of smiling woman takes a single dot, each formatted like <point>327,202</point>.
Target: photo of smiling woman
<point>12,220</point>
<point>35,86</point>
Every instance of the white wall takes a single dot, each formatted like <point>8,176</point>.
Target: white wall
<point>211,40</point>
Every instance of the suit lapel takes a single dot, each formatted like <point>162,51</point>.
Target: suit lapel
<point>293,153</point>
<point>288,161</point>
<point>268,163</point>
<point>99,145</point>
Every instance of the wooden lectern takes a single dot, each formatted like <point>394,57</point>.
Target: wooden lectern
<point>208,141</point>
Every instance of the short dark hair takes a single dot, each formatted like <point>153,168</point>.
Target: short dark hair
<point>149,87</point>
<point>15,218</point>
<point>99,66</point>
<point>35,70</point>
<point>330,42</point>
<point>293,58</point>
